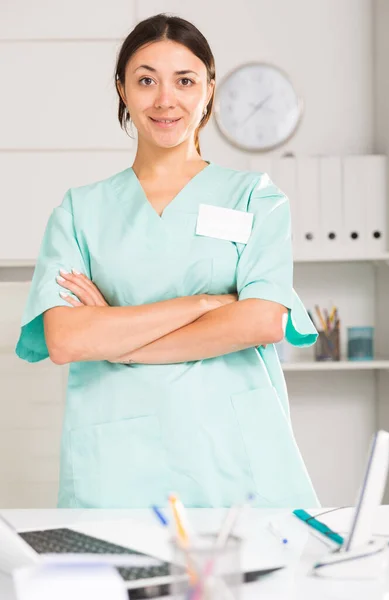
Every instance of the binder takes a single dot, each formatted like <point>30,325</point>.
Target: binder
<point>330,206</point>
<point>284,177</point>
<point>355,206</point>
<point>374,184</point>
<point>307,193</point>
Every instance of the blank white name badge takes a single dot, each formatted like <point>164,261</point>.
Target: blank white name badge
<point>224,223</point>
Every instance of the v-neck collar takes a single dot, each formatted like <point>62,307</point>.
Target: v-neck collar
<point>188,186</point>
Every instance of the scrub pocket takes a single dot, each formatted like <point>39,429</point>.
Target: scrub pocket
<point>119,464</point>
<point>215,275</point>
<point>277,468</point>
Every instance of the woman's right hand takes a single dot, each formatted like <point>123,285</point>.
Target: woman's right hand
<point>218,300</point>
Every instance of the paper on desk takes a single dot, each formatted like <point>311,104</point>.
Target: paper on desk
<point>64,582</point>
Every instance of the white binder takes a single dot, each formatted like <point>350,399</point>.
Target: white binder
<point>355,205</point>
<point>330,206</point>
<point>284,177</point>
<point>307,193</point>
<point>374,184</point>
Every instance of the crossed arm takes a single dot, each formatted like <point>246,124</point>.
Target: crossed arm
<point>171,331</point>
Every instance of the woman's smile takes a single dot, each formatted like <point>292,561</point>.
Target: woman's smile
<point>165,123</point>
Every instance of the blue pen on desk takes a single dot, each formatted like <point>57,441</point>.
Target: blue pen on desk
<point>319,526</point>
<point>161,517</point>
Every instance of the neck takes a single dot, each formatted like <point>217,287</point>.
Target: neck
<point>153,161</point>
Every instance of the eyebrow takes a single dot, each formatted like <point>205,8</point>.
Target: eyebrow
<point>184,72</point>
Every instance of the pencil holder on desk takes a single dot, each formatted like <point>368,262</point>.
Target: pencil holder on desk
<point>327,346</point>
<point>211,573</point>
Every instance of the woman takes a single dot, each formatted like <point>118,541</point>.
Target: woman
<point>156,275</point>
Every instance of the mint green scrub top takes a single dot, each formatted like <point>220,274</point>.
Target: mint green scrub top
<point>211,430</point>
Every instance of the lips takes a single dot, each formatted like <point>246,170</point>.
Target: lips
<point>165,120</point>
<point>161,124</point>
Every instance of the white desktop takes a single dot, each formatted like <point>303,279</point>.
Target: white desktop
<point>347,572</point>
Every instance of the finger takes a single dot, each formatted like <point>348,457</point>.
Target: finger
<point>78,279</point>
<point>83,295</point>
<point>97,294</point>
<point>83,282</point>
<point>82,277</point>
<point>70,299</point>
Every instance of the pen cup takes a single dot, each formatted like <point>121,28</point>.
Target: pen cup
<point>328,345</point>
<point>202,571</point>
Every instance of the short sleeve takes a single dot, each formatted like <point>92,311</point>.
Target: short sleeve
<point>59,250</point>
<point>265,266</point>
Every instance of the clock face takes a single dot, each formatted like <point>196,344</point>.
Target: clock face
<point>256,107</point>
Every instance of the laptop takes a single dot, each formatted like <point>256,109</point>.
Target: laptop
<point>143,575</point>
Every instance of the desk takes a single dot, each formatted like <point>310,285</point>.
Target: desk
<point>293,582</point>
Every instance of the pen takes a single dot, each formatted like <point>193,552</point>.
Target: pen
<point>229,522</point>
<point>322,321</point>
<point>277,533</point>
<point>227,526</point>
<point>332,314</point>
<point>312,319</point>
<point>182,528</point>
<point>179,519</point>
<point>319,526</point>
<point>326,319</point>
<point>161,517</point>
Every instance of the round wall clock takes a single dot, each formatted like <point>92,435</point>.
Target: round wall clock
<point>257,107</point>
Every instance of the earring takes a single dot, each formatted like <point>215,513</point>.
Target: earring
<point>127,113</point>
<point>205,111</point>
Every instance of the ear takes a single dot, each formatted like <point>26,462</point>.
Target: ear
<point>120,89</point>
<point>211,87</point>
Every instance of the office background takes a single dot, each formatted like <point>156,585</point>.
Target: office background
<point>59,129</point>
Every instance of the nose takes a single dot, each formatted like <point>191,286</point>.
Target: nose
<point>166,97</point>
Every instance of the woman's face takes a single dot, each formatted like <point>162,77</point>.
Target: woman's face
<point>165,80</point>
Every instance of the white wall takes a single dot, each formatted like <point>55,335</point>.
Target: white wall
<point>324,45</point>
<point>59,128</point>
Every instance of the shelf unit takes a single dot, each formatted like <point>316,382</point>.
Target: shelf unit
<point>341,365</point>
<point>379,365</point>
<point>380,258</point>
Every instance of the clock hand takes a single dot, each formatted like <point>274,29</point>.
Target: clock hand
<point>256,107</point>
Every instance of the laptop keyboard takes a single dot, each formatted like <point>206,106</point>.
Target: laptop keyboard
<point>63,541</point>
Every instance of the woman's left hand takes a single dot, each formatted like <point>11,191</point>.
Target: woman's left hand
<point>86,291</point>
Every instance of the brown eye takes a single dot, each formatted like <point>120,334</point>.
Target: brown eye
<point>187,79</point>
<point>145,79</point>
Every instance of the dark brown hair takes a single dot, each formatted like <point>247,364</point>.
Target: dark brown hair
<point>165,27</point>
